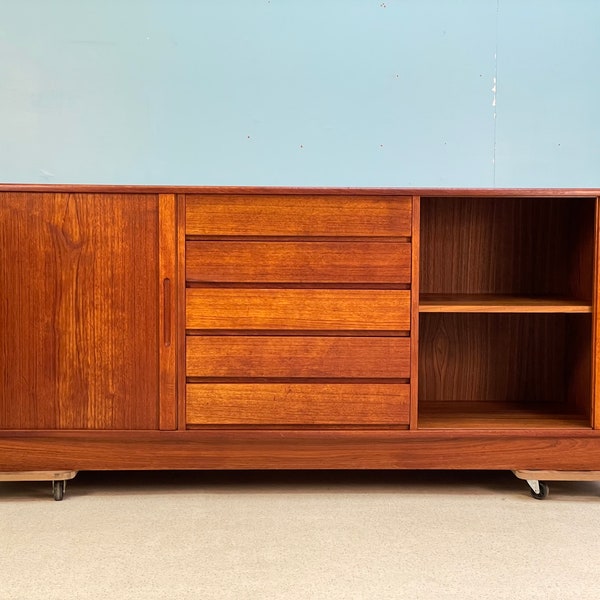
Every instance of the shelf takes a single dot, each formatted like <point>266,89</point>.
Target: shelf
<point>500,303</point>
<point>498,415</point>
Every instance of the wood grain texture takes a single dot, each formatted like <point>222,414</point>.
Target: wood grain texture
<point>502,255</point>
<point>522,359</point>
<point>297,404</point>
<point>297,215</point>
<point>310,309</point>
<point>491,358</point>
<point>298,262</point>
<point>303,191</point>
<point>500,303</point>
<point>521,246</point>
<point>595,358</point>
<point>308,449</point>
<point>499,415</point>
<point>414,312</point>
<point>310,356</point>
<point>168,323</point>
<point>36,475</point>
<point>180,302</point>
<point>520,382</point>
<point>581,231</point>
<point>79,309</point>
<point>578,366</point>
<point>547,475</point>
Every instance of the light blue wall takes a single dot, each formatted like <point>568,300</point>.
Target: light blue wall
<point>301,92</point>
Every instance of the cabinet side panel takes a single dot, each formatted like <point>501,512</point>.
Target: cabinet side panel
<point>414,311</point>
<point>596,326</point>
<point>78,311</point>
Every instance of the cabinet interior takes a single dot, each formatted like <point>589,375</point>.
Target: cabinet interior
<point>505,326</point>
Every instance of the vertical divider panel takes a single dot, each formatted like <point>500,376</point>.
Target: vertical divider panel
<point>595,391</point>
<point>168,325</point>
<point>414,308</point>
<point>180,295</point>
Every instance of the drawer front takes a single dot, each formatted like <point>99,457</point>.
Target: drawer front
<point>297,404</point>
<point>285,309</point>
<point>298,215</point>
<point>297,310</point>
<point>298,262</point>
<point>298,357</point>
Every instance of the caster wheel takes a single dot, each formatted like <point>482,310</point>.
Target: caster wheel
<point>543,493</point>
<point>58,489</point>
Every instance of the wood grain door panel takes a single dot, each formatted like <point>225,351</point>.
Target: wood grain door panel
<point>80,301</point>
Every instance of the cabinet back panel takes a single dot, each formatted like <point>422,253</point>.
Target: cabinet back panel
<point>78,311</point>
<point>535,246</point>
<point>494,358</point>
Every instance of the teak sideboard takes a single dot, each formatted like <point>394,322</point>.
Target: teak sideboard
<point>287,328</point>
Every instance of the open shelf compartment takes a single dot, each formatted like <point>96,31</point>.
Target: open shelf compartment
<point>506,301</point>
<point>508,253</point>
<point>504,370</point>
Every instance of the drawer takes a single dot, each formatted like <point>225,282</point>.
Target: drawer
<point>297,404</point>
<point>298,262</point>
<point>297,309</point>
<point>298,215</point>
<point>297,357</point>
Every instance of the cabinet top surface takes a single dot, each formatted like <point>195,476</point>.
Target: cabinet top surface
<point>424,192</point>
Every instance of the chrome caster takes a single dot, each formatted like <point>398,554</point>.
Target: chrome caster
<point>537,489</point>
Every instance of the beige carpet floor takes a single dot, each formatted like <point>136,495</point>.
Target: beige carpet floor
<point>318,535</point>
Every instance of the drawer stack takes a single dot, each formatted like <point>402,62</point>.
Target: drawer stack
<point>297,310</point>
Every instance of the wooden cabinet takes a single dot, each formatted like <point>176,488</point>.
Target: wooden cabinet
<point>209,328</point>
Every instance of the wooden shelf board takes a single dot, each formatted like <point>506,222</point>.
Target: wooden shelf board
<point>500,303</point>
<point>495,415</point>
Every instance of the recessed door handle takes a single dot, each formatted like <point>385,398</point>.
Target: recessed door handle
<point>167,311</point>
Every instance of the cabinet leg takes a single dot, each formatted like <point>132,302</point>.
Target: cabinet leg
<point>540,490</point>
<point>58,489</point>
<point>58,478</point>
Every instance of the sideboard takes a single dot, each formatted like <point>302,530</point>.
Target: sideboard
<point>293,328</point>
